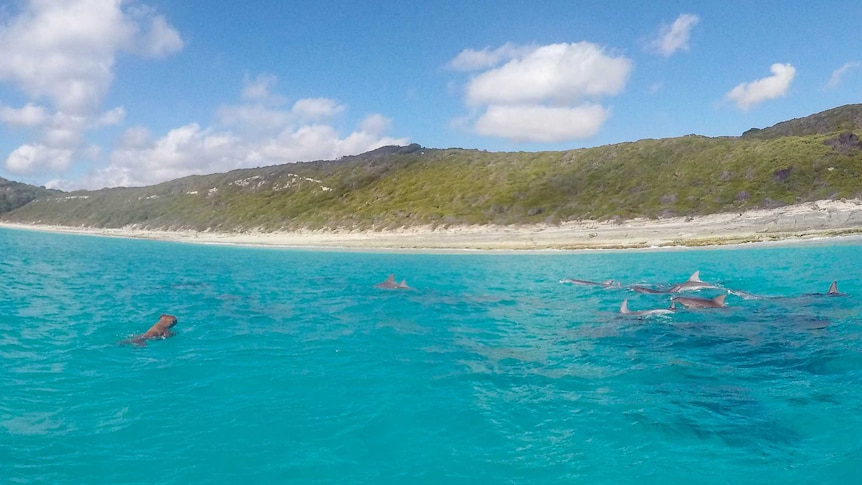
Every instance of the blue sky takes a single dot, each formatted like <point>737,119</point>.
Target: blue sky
<point>97,93</point>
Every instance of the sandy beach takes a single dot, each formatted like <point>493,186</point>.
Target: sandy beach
<point>801,222</point>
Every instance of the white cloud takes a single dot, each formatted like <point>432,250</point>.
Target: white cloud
<point>545,94</point>
<point>61,54</point>
<point>838,74</point>
<point>746,95</point>
<point>473,60</point>
<point>260,89</point>
<point>182,151</point>
<point>556,72</point>
<point>190,150</point>
<point>542,123</point>
<point>64,50</point>
<point>254,119</point>
<point>316,108</point>
<point>135,137</point>
<point>159,40</point>
<point>248,135</point>
<point>257,119</point>
<point>674,37</point>
<point>28,116</point>
<point>32,158</point>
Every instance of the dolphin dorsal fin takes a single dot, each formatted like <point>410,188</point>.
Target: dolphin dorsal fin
<point>390,279</point>
<point>624,308</point>
<point>720,299</point>
<point>695,277</point>
<point>833,288</point>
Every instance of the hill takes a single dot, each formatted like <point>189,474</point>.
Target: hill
<point>842,118</point>
<point>16,194</point>
<point>407,186</point>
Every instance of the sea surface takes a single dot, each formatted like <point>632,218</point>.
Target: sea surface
<point>289,366</point>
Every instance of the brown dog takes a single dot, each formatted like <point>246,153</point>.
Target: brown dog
<point>162,329</point>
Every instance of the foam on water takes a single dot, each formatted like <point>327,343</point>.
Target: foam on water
<point>289,366</point>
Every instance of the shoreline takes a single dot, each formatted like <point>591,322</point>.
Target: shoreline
<point>795,223</point>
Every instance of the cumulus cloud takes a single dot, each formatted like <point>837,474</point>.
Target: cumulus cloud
<point>28,116</point>
<point>544,93</point>
<point>674,37</point>
<point>32,158</point>
<point>474,60</point>
<point>838,74</point>
<point>61,54</point>
<point>541,123</point>
<point>316,108</point>
<point>245,135</point>
<point>64,50</point>
<point>746,95</point>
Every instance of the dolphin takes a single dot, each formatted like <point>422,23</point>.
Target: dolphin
<point>603,284</point>
<point>624,309</point>
<point>391,284</point>
<point>161,330</point>
<point>692,302</point>
<point>693,283</point>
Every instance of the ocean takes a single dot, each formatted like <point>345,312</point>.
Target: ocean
<point>289,366</point>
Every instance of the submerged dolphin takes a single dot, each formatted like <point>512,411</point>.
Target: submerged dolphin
<point>391,284</point>
<point>692,302</point>
<point>603,284</point>
<point>645,289</point>
<point>161,330</point>
<point>624,309</point>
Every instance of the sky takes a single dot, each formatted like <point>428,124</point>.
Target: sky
<point>106,93</point>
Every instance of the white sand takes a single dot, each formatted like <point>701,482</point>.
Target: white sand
<point>791,223</point>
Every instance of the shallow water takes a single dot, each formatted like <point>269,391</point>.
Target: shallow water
<point>289,366</point>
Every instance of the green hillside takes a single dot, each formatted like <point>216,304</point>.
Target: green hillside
<point>403,186</point>
<point>15,194</point>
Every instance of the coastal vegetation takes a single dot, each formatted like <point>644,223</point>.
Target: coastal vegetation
<point>813,158</point>
<point>16,194</point>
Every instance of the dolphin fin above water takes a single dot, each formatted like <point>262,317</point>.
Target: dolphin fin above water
<point>691,284</point>
<point>390,284</point>
<point>833,290</point>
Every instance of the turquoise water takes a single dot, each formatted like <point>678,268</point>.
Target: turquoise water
<point>289,366</point>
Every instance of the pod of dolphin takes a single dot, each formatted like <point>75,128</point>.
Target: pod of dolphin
<point>162,328</point>
<point>693,283</point>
